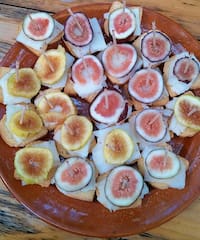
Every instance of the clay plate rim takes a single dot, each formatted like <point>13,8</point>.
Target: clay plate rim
<point>92,219</point>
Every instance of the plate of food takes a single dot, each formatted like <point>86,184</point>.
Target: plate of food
<point>100,118</point>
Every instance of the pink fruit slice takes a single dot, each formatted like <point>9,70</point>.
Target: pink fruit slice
<point>150,126</point>
<point>123,186</point>
<point>146,85</point>
<point>119,59</point>
<point>88,75</point>
<point>107,107</point>
<point>156,46</point>
<point>38,26</point>
<point>122,22</point>
<point>162,163</point>
<point>78,30</point>
<point>186,69</point>
<point>73,174</point>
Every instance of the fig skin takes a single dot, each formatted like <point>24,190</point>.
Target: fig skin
<point>133,181</point>
<point>31,124</point>
<point>156,58</point>
<point>118,147</point>
<point>54,107</point>
<point>148,139</point>
<point>33,164</point>
<point>27,86</point>
<point>67,165</point>
<point>141,73</point>
<point>32,36</point>
<point>131,28</point>
<point>171,159</point>
<point>186,79</point>
<point>187,111</point>
<point>122,115</point>
<point>75,132</point>
<point>80,44</point>
<point>57,58</point>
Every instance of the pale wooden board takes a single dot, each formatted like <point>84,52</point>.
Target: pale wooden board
<point>186,13</point>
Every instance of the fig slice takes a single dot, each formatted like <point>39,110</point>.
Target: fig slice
<point>146,85</point>
<point>158,52</point>
<point>25,123</point>
<point>119,59</point>
<point>118,146</point>
<point>38,26</point>
<point>187,111</point>
<point>88,75</point>
<point>75,132</point>
<point>150,126</point>
<point>123,22</point>
<point>73,174</point>
<point>161,163</point>
<point>107,107</point>
<point>123,186</point>
<point>32,164</point>
<point>27,85</point>
<point>54,107</point>
<point>186,69</point>
<point>78,30</point>
<point>51,66</point>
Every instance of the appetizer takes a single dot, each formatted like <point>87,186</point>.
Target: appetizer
<point>21,124</point>
<point>76,178</point>
<point>74,136</point>
<point>36,163</point>
<point>123,187</point>
<point>39,29</point>
<point>54,107</point>
<point>19,86</point>
<point>162,168</point>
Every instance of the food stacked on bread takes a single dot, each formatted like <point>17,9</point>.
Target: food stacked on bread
<point>111,105</point>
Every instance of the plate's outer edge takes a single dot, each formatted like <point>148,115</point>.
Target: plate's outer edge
<point>92,219</point>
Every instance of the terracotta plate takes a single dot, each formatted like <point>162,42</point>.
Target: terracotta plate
<point>91,218</point>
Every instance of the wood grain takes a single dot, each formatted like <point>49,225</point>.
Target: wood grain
<point>185,13</point>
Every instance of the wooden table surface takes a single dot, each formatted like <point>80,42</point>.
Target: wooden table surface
<point>18,223</point>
